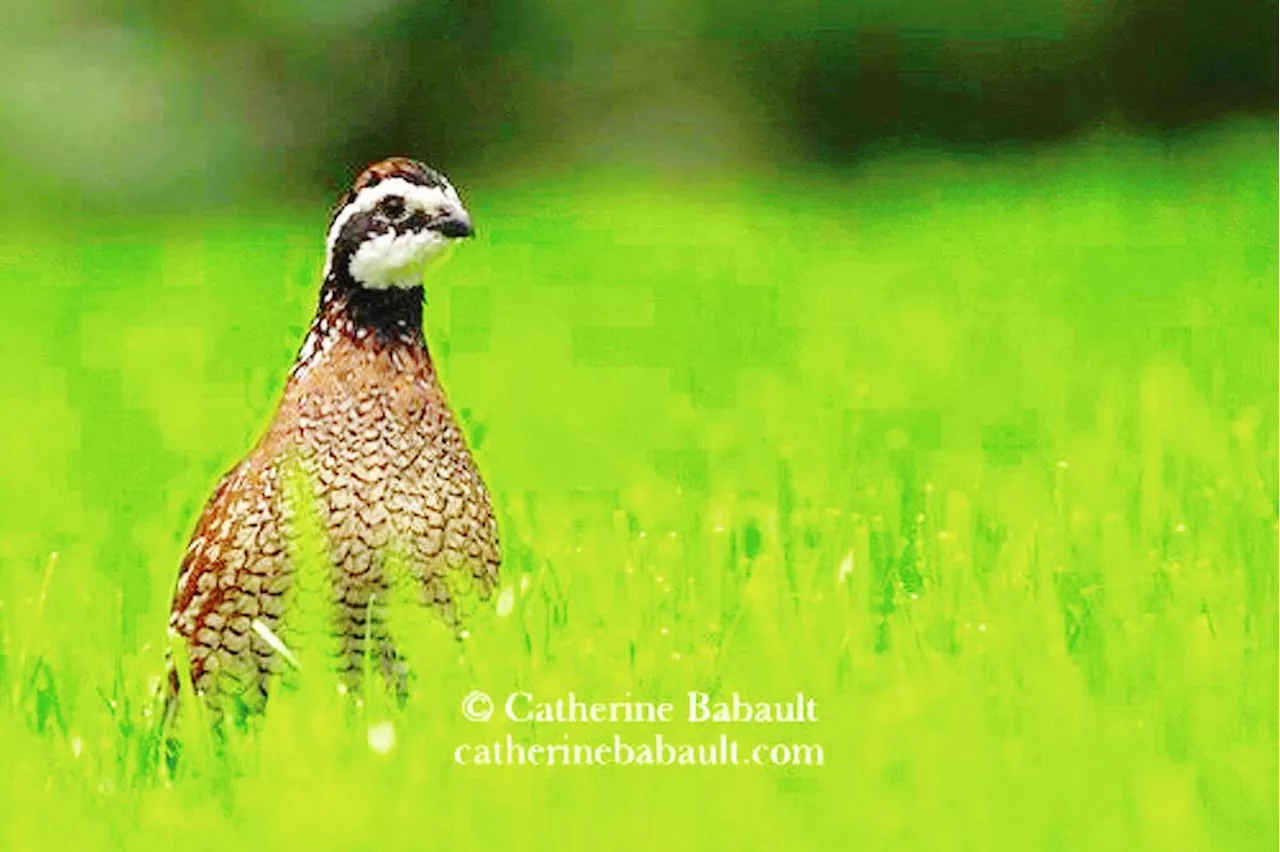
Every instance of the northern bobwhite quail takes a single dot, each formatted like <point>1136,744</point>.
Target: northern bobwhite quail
<point>364,418</point>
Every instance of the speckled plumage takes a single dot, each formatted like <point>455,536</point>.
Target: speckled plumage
<point>365,420</point>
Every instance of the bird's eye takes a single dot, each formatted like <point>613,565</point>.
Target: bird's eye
<point>392,207</point>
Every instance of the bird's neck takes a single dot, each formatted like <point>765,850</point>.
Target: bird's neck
<point>391,314</point>
<point>388,319</point>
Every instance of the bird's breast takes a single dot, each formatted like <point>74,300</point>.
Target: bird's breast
<point>388,460</point>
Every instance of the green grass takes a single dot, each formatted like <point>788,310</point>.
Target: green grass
<point>979,454</point>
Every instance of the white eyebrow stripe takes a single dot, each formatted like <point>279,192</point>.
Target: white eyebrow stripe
<point>415,195</point>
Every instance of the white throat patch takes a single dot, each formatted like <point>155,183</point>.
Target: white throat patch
<point>391,259</point>
<point>396,260</point>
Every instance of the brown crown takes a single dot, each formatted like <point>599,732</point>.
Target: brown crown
<point>392,167</point>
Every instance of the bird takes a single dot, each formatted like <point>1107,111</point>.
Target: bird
<point>385,468</point>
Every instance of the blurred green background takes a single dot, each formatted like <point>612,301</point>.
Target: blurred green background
<point>175,104</point>
<point>919,357</point>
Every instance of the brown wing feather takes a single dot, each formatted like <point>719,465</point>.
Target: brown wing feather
<point>236,569</point>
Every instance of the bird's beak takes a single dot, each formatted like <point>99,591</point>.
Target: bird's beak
<point>455,224</point>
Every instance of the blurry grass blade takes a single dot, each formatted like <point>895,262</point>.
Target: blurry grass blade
<point>274,641</point>
<point>33,631</point>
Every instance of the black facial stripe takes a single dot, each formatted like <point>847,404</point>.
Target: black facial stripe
<point>357,229</point>
<point>416,221</point>
<point>364,226</point>
<point>392,207</point>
